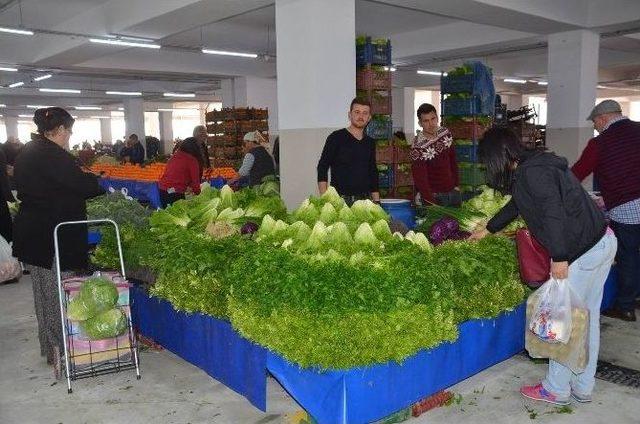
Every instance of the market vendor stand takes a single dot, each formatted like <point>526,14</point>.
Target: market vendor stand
<point>355,395</point>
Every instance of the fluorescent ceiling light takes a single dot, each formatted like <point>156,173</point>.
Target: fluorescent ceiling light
<point>16,84</point>
<point>124,93</point>
<point>37,107</point>
<point>60,90</point>
<point>26,122</point>
<point>16,31</point>
<point>179,95</point>
<point>5,69</point>
<point>387,68</point>
<point>543,83</point>
<point>434,73</point>
<point>228,53</point>
<point>124,43</point>
<point>515,80</point>
<point>74,116</point>
<point>44,77</point>
<point>141,40</point>
<point>165,110</point>
<point>88,108</point>
<point>120,108</point>
<point>3,105</point>
<point>25,116</point>
<point>100,117</point>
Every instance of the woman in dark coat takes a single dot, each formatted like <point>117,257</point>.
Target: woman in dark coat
<point>6,226</point>
<point>52,189</point>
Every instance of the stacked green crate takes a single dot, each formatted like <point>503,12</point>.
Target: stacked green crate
<point>373,82</point>
<point>467,115</point>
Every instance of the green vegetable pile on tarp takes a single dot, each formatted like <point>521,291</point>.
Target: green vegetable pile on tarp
<point>117,207</point>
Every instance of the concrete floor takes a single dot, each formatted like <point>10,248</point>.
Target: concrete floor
<point>173,391</point>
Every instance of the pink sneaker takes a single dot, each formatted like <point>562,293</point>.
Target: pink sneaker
<point>539,393</point>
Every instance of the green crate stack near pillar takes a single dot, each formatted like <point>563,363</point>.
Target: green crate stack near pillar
<point>373,82</point>
<point>467,99</point>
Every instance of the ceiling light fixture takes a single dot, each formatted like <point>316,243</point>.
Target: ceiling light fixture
<point>100,117</point>
<point>7,69</point>
<point>389,68</point>
<point>25,116</point>
<point>88,108</point>
<point>165,110</point>
<point>3,105</point>
<point>60,90</point>
<point>16,31</point>
<point>543,83</point>
<point>190,95</point>
<point>434,73</point>
<point>44,77</point>
<point>228,53</point>
<point>124,43</point>
<point>124,93</point>
<point>16,84</point>
<point>37,107</point>
<point>515,80</point>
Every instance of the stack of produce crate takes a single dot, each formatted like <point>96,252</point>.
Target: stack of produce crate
<point>227,127</point>
<point>468,103</point>
<point>373,82</point>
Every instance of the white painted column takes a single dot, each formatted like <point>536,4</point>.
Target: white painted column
<point>316,83</point>
<point>166,131</point>
<point>105,131</point>
<point>227,87</point>
<point>571,93</point>
<point>11,123</point>
<point>134,118</point>
<point>409,106</point>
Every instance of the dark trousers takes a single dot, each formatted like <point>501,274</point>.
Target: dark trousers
<point>350,199</point>
<point>167,199</point>
<point>452,198</point>
<point>628,263</point>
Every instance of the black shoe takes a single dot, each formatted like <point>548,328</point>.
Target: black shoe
<point>620,314</point>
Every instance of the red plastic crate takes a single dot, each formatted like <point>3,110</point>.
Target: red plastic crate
<point>402,154</point>
<point>384,154</point>
<point>463,130</point>
<point>373,79</point>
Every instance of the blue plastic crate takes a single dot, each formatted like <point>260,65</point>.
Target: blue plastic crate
<point>479,83</point>
<point>467,152</point>
<point>457,84</point>
<point>464,107</point>
<point>380,130</point>
<point>385,178</point>
<point>94,237</point>
<point>373,54</point>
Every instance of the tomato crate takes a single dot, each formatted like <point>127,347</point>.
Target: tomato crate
<point>370,52</point>
<point>384,154</point>
<point>402,154</point>
<point>380,128</point>
<point>466,151</point>
<point>467,130</point>
<point>373,78</point>
<point>402,175</point>
<point>472,174</point>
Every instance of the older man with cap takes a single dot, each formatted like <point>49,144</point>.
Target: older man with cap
<point>614,159</point>
<point>257,163</point>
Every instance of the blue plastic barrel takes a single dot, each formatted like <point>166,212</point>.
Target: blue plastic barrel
<point>610,289</point>
<point>400,210</point>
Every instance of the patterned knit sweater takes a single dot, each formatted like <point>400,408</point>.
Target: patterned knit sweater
<point>434,165</point>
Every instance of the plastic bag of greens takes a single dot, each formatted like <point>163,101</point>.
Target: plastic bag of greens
<point>108,324</point>
<point>9,266</point>
<point>96,295</point>
<point>575,353</point>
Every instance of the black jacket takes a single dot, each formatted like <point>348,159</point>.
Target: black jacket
<point>6,225</point>
<point>52,188</point>
<point>262,166</point>
<point>558,211</point>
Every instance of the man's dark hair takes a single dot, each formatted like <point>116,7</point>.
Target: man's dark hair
<point>426,108</point>
<point>359,101</point>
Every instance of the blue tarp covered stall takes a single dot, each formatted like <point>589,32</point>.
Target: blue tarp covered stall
<point>357,395</point>
<point>142,191</point>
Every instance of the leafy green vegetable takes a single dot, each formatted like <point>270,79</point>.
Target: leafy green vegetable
<point>117,207</point>
<point>96,295</point>
<point>108,324</point>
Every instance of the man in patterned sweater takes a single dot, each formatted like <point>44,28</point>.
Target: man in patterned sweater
<point>614,159</point>
<point>433,157</point>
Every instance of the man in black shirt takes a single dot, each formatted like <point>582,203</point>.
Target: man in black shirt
<point>351,156</point>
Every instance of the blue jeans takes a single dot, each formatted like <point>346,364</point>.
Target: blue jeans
<point>628,262</point>
<point>586,278</point>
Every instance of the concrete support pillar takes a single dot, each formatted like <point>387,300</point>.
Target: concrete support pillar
<point>571,93</point>
<point>314,88</point>
<point>253,92</point>
<point>134,118</point>
<point>11,124</point>
<point>166,131</point>
<point>105,131</point>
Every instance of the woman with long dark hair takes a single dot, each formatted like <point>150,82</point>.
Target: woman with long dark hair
<point>563,218</point>
<point>183,172</point>
<point>52,189</point>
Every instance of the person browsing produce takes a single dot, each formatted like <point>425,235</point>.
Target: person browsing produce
<point>52,189</point>
<point>567,223</point>
<point>257,163</point>
<point>183,172</point>
<point>613,157</point>
<point>433,160</point>
<point>201,136</point>
<point>350,154</point>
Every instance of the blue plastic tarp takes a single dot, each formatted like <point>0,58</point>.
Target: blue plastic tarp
<point>142,191</point>
<point>610,289</point>
<point>206,342</point>
<point>362,395</point>
<point>357,395</point>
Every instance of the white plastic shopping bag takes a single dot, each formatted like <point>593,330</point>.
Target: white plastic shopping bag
<point>551,320</point>
<point>9,266</point>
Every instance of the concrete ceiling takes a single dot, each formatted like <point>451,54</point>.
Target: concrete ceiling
<point>508,34</point>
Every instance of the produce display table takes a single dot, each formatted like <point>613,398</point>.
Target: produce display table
<point>357,395</point>
<point>142,191</point>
